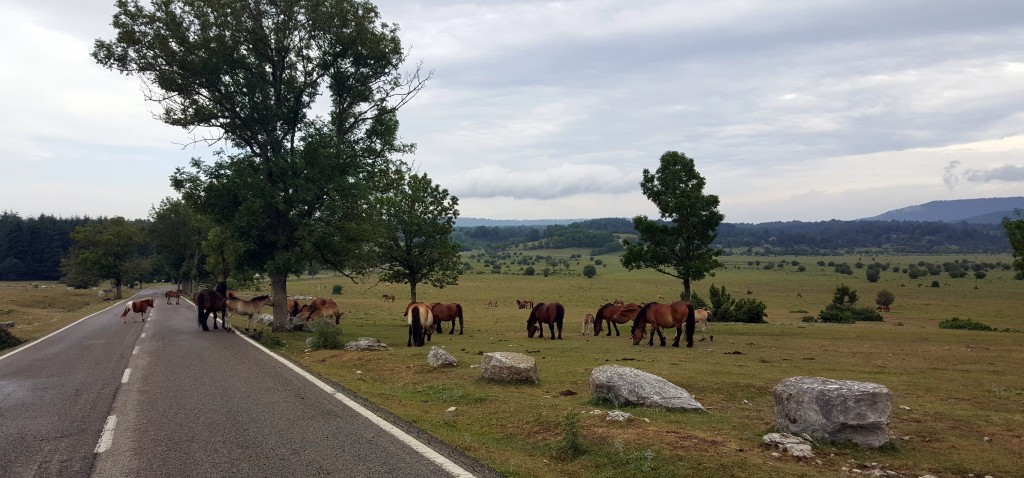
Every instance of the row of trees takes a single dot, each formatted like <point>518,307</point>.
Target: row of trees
<point>32,248</point>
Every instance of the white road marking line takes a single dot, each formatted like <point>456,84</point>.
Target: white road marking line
<point>56,332</point>
<point>413,443</point>
<point>143,335</point>
<point>107,437</point>
<point>127,373</point>
<point>137,347</point>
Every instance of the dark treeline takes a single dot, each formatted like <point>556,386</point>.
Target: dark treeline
<point>789,238</point>
<point>32,248</point>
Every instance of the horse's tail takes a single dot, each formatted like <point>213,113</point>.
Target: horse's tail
<point>417,327</point>
<point>559,314</point>
<point>691,324</point>
<point>127,309</point>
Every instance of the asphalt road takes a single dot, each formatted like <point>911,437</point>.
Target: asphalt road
<point>162,398</point>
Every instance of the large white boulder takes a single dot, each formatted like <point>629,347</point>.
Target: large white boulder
<point>509,367</point>
<point>629,386</point>
<point>834,410</point>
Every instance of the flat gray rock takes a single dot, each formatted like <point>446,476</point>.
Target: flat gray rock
<point>629,386</point>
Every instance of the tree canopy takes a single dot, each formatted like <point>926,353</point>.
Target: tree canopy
<point>292,186</point>
<point>417,246</point>
<point>104,250</point>
<point>680,245</point>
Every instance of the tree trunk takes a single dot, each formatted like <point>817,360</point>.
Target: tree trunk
<point>412,291</point>
<point>279,294</point>
<point>117,290</point>
<point>686,289</point>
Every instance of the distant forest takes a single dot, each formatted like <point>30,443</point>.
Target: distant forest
<point>32,248</point>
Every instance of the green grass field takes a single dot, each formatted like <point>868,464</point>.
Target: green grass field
<point>958,395</point>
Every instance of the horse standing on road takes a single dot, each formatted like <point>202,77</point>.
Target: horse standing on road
<point>140,306</point>
<point>211,302</point>
<point>176,294</point>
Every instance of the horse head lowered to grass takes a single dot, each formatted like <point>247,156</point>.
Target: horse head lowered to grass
<point>551,313</point>
<point>676,314</point>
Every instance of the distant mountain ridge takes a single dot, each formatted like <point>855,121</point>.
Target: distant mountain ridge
<point>975,211</point>
<point>479,221</point>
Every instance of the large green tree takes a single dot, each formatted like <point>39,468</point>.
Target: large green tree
<point>291,185</point>
<point>679,245</point>
<point>1015,232</point>
<point>416,246</point>
<point>107,250</point>
<point>176,234</point>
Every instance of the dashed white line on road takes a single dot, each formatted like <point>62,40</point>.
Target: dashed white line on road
<point>127,372</point>
<point>136,349</point>
<point>107,437</point>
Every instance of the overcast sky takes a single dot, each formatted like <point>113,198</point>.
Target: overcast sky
<point>792,109</point>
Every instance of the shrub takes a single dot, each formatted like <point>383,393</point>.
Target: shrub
<point>589,271</point>
<point>530,271</point>
<point>571,445</point>
<point>873,274</point>
<point>801,269</point>
<point>979,274</point>
<point>336,290</point>
<point>865,314</point>
<point>963,324</point>
<point>885,298</point>
<point>836,314</point>
<point>325,335</point>
<point>7,339</point>
<point>751,311</point>
<point>935,284</point>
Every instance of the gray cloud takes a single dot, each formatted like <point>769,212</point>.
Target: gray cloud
<point>1005,173</point>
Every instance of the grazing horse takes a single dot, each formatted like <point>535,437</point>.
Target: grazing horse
<point>551,314</point>
<point>421,323</point>
<point>173,293</point>
<point>618,302</point>
<point>320,309</point>
<point>524,304</point>
<point>140,306</point>
<point>702,316</point>
<point>294,307</point>
<point>492,303</point>
<point>588,325</point>
<point>614,315</point>
<point>389,297</point>
<point>658,315</point>
<point>211,301</point>
<point>445,313</point>
<point>248,308</point>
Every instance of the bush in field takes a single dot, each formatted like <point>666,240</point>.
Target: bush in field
<point>979,274</point>
<point>7,339</point>
<point>873,274</point>
<point>963,324</point>
<point>801,269</point>
<point>696,301</point>
<point>835,314</point>
<point>530,271</point>
<point>589,271</point>
<point>336,290</point>
<point>885,298</point>
<point>865,314</point>
<point>935,284</point>
<point>751,311</point>
<point>571,445</point>
<point>721,301</point>
<point>325,335</point>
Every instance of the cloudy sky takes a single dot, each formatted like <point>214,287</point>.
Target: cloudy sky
<point>792,109</point>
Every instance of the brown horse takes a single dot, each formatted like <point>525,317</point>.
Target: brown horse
<point>524,304</point>
<point>445,313</point>
<point>248,308</point>
<point>389,297</point>
<point>421,323</point>
<point>320,309</point>
<point>614,315</point>
<point>294,307</point>
<point>212,301</point>
<point>551,314</point>
<point>173,293</point>
<point>658,315</point>
<point>140,306</point>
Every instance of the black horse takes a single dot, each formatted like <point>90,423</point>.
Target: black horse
<point>551,314</point>
<point>213,301</point>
